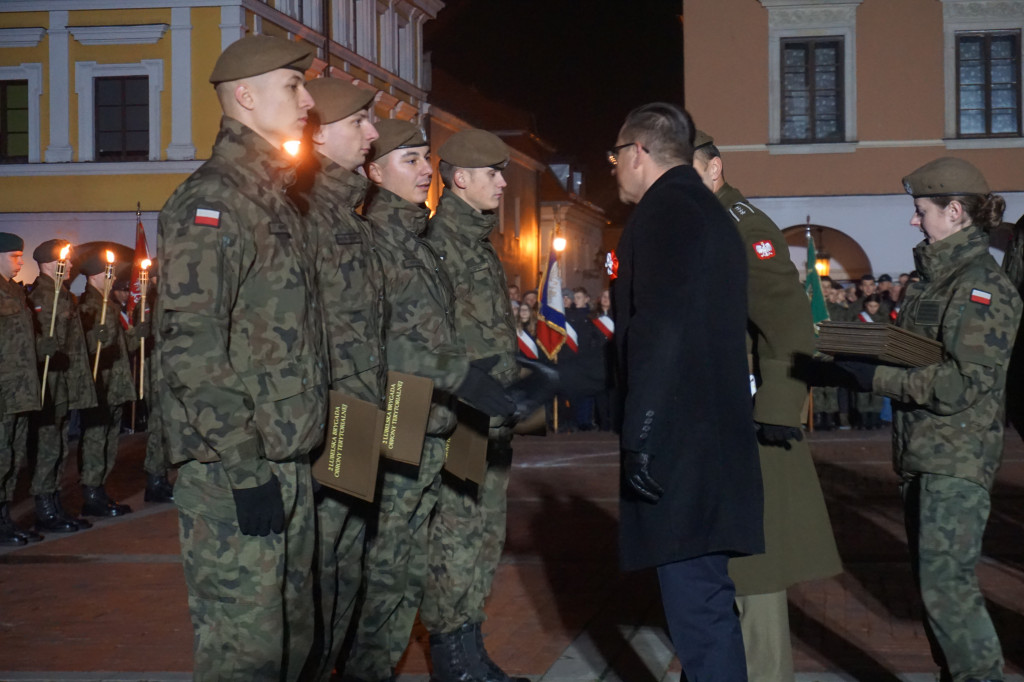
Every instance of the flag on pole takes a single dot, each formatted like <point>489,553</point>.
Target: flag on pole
<point>551,310</point>
<point>141,254</point>
<point>819,311</point>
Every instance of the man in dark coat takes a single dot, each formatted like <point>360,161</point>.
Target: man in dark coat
<point>691,490</point>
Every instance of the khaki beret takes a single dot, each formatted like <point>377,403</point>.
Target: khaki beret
<point>943,177</point>
<point>94,264</point>
<point>475,149</point>
<point>255,55</point>
<point>49,251</point>
<point>396,134</point>
<point>11,242</point>
<point>335,99</point>
<point>702,139</point>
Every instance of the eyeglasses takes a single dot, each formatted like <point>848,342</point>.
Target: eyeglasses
<point>613,154</point>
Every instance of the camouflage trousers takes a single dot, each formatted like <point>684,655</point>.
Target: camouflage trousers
<point>467,535</point>
<point>101,427</point>
<point>826,399</point>
<point>945,519</point>
<point>250,598</point>
<point>13,446</point>
<point>341,534</point>
<point>156,461</point>
<point>396,565</point>
<point>51,427</point>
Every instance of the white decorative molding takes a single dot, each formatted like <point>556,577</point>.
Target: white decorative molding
<point>973,15</point>
<point>985,143</point>
<point>59,149</point>
<point>21,37</point>
<point>33,73</point>
<point>813,148</point>
<point>139,34</point>
<point>232,24</point>
<point>181,146</point>
<point>807,19</point>
<point>95,168</point>
<point>86,72</point>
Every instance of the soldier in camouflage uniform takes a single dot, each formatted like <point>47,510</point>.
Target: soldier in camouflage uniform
<point>19,383</point>
<point>421,339</point>
<point>947,417</point>
<point>350,280</point>
<point>101,425</point>
<point>468,530</point>
<point>69,386</point>
<point>240,374</point>
<point>799,544</point>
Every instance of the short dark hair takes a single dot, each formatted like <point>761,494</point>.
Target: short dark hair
<point>665,130</point>
<point>447,173</point>
<point>581,290</point>
<point>867,278</point>
<point>708,152</point>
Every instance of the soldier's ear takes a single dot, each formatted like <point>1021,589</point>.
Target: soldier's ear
<point>374,173</point>
<point>460,178</point>
<point>244,96</point>
<point>715,168</point>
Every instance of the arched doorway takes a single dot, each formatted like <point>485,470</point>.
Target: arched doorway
<point>847,260</point>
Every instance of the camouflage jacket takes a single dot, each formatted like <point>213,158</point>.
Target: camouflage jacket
<point>114,383</point>
<point>240,373</point>
<point>19,382</point>
<point>779,326</point>
<point>947,417</point>
<point>351,281</point>
<point>419,308</point>
<point>69,378</point>
<point>483,313</point>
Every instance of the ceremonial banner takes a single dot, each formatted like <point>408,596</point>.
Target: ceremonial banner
<point>819,311</point>
<point>551,310</point>
<point>141,254</point>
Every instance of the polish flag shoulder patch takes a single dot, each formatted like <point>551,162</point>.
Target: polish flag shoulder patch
<point>982,297</point>
<point>764,249</point>
<point>208,217</point>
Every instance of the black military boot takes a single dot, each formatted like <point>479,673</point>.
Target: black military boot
<point>77,520</point>
<point>96,502</point>
<point>49,518</point>
<point>451,660</point>
<point>158,488</point>
<point>9,535</point>
<point>491,671</point>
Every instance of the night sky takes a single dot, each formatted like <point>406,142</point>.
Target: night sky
<point>578,65</point>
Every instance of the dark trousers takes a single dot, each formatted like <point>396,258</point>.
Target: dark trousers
<point>698,596</point>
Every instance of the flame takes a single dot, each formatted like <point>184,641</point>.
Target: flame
<point>145,263</point>
<point>292,147</point>
<point>110,256</point>
<point>559,244</point>
<point>64,252</point>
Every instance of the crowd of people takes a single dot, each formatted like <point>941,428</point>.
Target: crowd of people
<point>286,284</point>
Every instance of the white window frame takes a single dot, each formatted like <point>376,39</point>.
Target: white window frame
<point>959,16</point>
<point>33,73</point>
<point>85,75</point>
<point>811,19</point>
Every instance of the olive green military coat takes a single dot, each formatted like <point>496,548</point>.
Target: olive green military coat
<point>69,378</point>
<point>114,383</point>
<point>799,544</point>
<point>19,382</point>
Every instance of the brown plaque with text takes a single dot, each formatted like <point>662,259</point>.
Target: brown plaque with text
<point>407,403</point>
<point>351,451</point>
<point>466,449</point>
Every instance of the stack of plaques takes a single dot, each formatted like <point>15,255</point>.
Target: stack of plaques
<point>885,343</point>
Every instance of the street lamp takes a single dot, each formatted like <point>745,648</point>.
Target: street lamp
<point>822,259</point>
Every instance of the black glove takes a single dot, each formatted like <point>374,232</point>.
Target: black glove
<point>46,345</point>
<point>142,330</point>
<point>778,435</point>
<point>636,470</point>
<point>533,391</point>
<point>483,391</point>
<point>861,375</point>
<point>104,334</point>
<point>260,510</point>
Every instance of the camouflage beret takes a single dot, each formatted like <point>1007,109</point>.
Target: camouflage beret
<point>944,177</point>
<point>49,251</point>
<point>255,55</point>
<point>702,139</point>
<point>396,134</point>
<point>335,99</point>
<point>11,242</point>
<point>94,264</point>
<point>475,149</point>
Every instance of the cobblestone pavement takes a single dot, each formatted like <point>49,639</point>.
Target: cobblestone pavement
<point>109,603</point>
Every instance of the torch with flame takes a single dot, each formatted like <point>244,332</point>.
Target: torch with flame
<point>143,286</point>
<point>62,266</point>
<point>108,281</point>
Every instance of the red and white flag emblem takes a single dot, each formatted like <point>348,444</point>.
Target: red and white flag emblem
<point>571,339</point>
<point>982,297</point>
<point>764,249</point>
<point>207,216</point>
<point>527,346</point>
<point>606,325</point>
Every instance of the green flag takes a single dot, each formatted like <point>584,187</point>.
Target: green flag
<point>819,311</point>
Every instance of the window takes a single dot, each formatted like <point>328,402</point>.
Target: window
<point>14,118</point>
<point>812,90</point>
<point>122,118</point>
<point>988,84</point>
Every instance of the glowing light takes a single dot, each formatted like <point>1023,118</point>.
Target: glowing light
<point>110,256</point>
<point>64,252</point>
<point>145,263</point>
<point>559,244</point>
<point>292,147</point>
<point>823,265</point>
